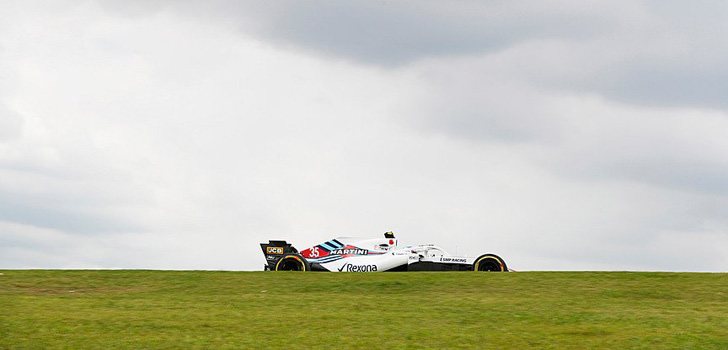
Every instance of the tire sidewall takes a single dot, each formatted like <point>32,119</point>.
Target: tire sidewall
<point>484,257</point>
<point>300,259</point>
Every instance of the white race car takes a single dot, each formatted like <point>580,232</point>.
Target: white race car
<point>372,255</point>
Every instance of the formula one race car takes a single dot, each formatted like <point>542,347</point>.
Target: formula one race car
<point>372,255</point>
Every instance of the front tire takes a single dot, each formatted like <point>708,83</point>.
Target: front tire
<point>292,262</point>
<point>490,262</point>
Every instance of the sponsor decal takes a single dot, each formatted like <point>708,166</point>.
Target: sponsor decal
<point>274,250</point>
<point>270,257</point>
<point>350,251</point>
<point>357,268</point>
<point>321,255</point>
<point>453,260</point>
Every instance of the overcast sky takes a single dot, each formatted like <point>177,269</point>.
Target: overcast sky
<point>561,135</point>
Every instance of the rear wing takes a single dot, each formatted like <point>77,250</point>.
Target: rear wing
<point>274,250</point>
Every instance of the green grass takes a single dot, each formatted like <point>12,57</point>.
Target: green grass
<point>259,310</point>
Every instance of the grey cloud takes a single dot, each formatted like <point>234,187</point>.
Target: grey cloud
<point>688,71</point>
<point>69,194</point>
<point>678,149</point>
<point>654,83</point>
<point>392,33</point>
<point>575,137</point>
<point>66,215</point>
<point>666,55</point>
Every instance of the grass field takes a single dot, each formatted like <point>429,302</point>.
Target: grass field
<point>259,310</point>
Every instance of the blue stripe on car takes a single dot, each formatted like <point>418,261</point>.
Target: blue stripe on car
<point>327,246</point>
<point>326,259</point>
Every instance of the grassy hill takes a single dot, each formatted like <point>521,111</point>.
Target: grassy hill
<point>259,310</point>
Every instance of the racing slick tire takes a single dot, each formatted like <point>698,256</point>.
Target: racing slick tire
<point>292,262</point>
<point>490,262</point>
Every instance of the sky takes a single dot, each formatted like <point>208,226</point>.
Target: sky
<point>560,135</point>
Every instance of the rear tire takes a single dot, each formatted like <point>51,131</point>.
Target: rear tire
<point>490,262</point>
<point>292,262</point>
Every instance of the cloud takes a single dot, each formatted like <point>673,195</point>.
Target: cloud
<point>180,135</point>
<point>394,33</point>
<point>391,33</point>
<point>576,135</point>
<point>653,53</point>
